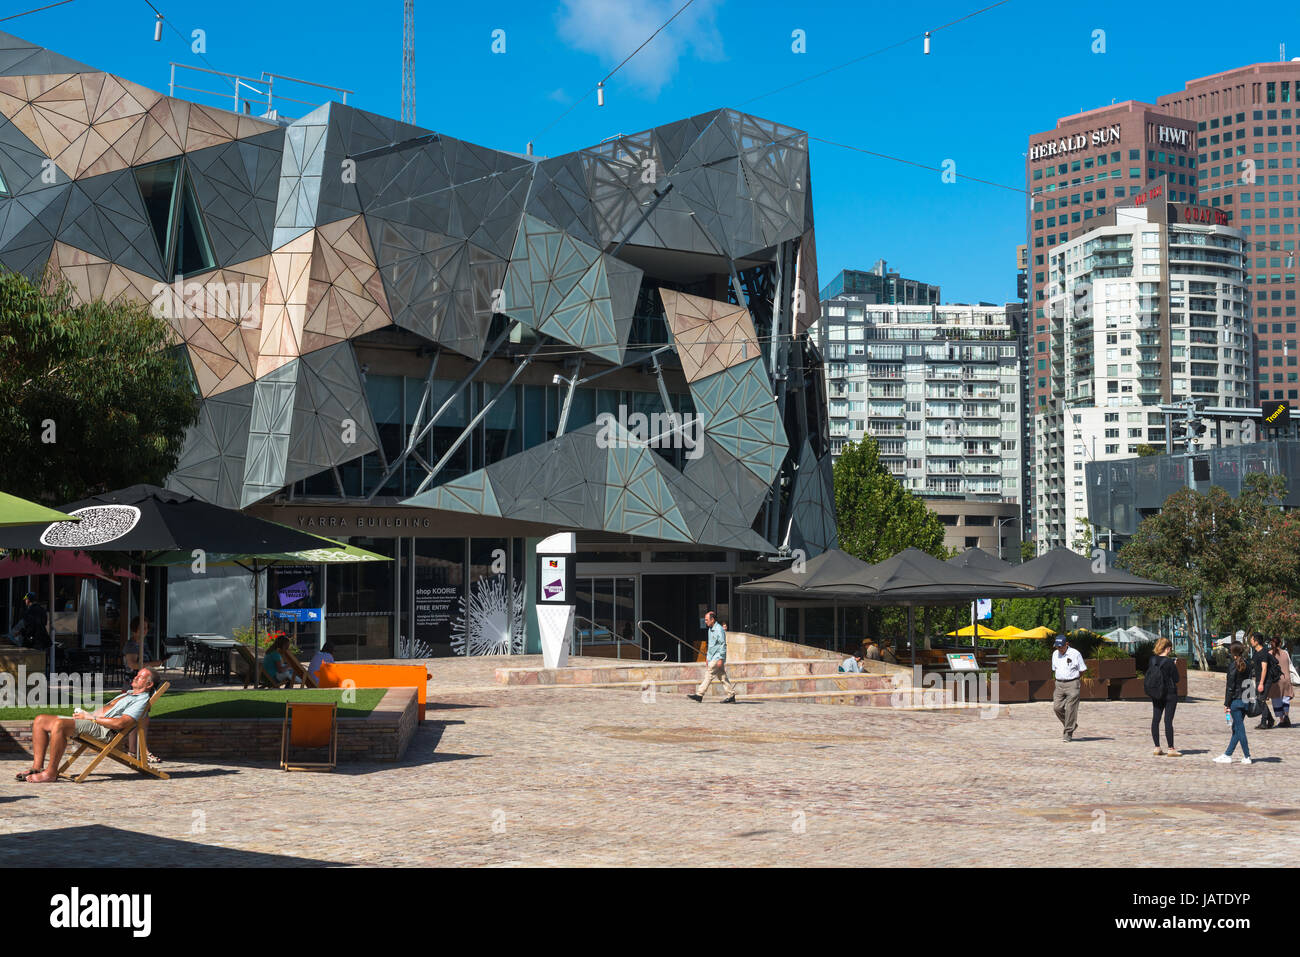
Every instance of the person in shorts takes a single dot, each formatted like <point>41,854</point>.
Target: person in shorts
<point>51,732</point>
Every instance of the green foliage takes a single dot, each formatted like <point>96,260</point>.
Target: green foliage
<point>1027,551</point>
<point>104,375</point>
<point>244,635</point>
<point>1142,653</point>
<point>1241,555</point>
<point>1145,451</point>
<point>1029,649</point>
<point>877,517</point>
<point>1026,613</point>
<point>1107,651</point>
<point>1085,642</point>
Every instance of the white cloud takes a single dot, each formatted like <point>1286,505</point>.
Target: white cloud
<point>612,29</point>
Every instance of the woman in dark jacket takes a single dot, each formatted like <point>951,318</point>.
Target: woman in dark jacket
<point>1162,673</point>
<point>1238,678</point>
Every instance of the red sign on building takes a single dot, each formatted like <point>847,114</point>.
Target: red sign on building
<point>1155,192</point>
<point>1205,214</point>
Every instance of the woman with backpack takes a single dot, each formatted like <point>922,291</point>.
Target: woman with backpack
<point>1282,689</point>
<point>1234,708</point>
<point>1161,686</point>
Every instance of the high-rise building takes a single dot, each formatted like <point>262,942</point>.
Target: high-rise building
<point>1146,308</point>
<point>1248,150</point>
<point>1080,171</point>
<point>881,286</point>
<point>939,388</point>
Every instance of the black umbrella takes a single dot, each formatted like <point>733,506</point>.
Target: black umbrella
<point>146,521</point>
<point>981,562</point>
<point>832,574</point>
<point>1064,574</point>
<point>913,578</point>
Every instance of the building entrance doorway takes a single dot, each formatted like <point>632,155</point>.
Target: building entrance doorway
<point>676,604</point>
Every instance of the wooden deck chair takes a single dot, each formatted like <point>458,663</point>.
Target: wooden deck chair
<point>300,670</point>
<point>309,725</point>
<point>252,666</point>
<point>116,748</point>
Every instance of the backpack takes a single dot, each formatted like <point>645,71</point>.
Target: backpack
<point>1153,683</point>
<point>1251,699</point>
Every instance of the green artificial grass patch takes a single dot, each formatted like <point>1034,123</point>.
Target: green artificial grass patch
<point>194,705</point>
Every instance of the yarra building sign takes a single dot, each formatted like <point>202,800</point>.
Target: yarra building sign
<point>1103,136</point>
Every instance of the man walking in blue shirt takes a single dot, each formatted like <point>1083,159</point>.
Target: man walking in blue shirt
<point>717,655</point>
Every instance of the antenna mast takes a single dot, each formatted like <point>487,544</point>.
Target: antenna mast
<point>408,61</point>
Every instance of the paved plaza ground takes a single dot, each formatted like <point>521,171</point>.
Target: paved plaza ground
<point>546,776</point>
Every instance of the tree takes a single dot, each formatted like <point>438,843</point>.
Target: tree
<point>1026,613</point>
<point>877,517</point>
<point>93,396</point>
<point>1027,550</point>
<point>1145,450</point>
<point>1083,536</point>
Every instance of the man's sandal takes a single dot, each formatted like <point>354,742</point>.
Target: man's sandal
<point>22,776</point>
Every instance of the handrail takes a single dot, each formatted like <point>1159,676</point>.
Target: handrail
<point>618,642</point>
<point>640,627</point>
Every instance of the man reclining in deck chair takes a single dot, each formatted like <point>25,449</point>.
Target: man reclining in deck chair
<point>51,733</point>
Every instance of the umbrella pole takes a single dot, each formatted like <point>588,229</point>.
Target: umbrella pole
<point>911,636</point>
<point>50,611</point>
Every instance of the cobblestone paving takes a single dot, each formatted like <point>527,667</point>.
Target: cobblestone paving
<point>542,776</point>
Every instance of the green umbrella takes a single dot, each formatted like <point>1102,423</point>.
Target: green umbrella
<point>330,552</point>
<point>19,511</point>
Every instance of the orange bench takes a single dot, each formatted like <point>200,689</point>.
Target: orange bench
<point>333,674</point>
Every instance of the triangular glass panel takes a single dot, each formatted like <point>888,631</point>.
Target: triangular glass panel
<point>157,183</point>
<point>193,250</point>
<point>178,228</point>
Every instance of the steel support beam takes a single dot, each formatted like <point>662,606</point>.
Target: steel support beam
<point>482,414</point>
<point>447,404</point>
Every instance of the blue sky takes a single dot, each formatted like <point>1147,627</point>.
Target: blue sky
<point>989,82</point>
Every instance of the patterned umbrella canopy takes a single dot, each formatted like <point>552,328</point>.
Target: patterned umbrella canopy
<point>150,520</point>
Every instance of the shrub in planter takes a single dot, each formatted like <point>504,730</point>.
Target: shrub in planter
<point>1029,649</point>
<point>1112,661</point>
<point>1142,654</point>
<point>1085,642</point>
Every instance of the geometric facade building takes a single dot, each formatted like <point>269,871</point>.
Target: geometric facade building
<point>384,319</point>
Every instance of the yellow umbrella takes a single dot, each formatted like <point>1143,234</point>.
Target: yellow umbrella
<point>980,630</point>
<point>1039,632</point>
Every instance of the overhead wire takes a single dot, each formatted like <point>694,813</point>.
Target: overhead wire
<point>48,6</point>
<point>873,53</point>
<point>575,103</point>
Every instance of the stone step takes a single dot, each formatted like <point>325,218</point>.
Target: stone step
<point>665,672</point>
<point>766,684</point>
<point>908,699</point>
